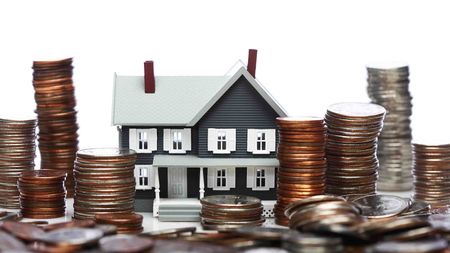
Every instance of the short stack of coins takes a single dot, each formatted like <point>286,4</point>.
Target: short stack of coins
<point>353,129</point>
<point>301,153</point>
<point>389,87</point>
<point>57,122</point>
<point>42,194</point>
<point>104,182</point>
<point>222,212</point>
<point>431,172</point>
<point>126,223</point>
<point>17,153</point>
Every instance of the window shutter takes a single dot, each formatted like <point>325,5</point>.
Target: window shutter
<point>212,139</point>
<point>210,183</point>
<point>186,138</point>
<point>271,140</point>
<point>270,172</point>
<point>250,177</point>
<point>251,140</point>
<point>152,139</point>
<point>231,177</point>
<point>133,138</point>
<point>231,135</point>
<point>167,139</point>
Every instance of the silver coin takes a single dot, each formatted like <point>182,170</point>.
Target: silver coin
<point>381,206</point>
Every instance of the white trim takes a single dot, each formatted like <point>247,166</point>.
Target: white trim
<point>152,139</point>
<point>185,140</point>
<point>230,140</point>
<point>150,176</point>
<point>269,178</point>
<point>230,176</point>
<point>270,141</point>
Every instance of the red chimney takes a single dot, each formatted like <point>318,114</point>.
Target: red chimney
<point>149,77</point>
<point>251,64</point>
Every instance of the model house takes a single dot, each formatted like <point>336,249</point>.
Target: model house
<point>198,136</point>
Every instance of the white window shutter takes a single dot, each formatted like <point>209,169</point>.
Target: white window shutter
<point>152,139</point>
<point>231,135</point>
<point>270,177</point>
<point>210,177</point>
<point>271,140</point>
<point>212,139</point>
<point>250,177</point>
<point>167,139</point>
<point>231,177</point>
<point>186,138</point>
<point>251,140</point>
<point>133,138</point>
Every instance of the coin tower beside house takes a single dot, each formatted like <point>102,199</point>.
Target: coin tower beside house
<point>198,136</point>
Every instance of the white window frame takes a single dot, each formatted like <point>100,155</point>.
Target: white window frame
<point>142,140</point>
<point>184,135</point>
<point>220,179</point>
<point>269,178</point>
<point>221,141</point>
<point>253,141</point>
<point>216,135</point>
<point>261,140</point>
<point>229,176</point>
<point>177,139</point>
<point>138,144</point>
<point>150,177</point>
<point>260,176</point>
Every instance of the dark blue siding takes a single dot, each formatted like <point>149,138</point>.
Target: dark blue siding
<point>241,107</point>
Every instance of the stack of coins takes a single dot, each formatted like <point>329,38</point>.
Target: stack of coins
<point>322,210</point>
<point>302,243</point>
<point>353,129</point>
<point>126,223</point>
<point>222,212</point>
<point>431,171</point>
<point>388,87</point>
<point>42,194</point>
<point>104,182</point>
<point>301,153</point>
<point>17,152</point>
<point>55,99</point>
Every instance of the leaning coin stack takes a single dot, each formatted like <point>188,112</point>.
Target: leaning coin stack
<point>301,153</point>
<point>322,210</point>
<point>17,152</point>
<point>55,99</point>
<point>304,243</point>
<point>222,212</point>
<point>104,182</point>
<point>353,129</point>
<point>42,194</point>
<point>431,174</point>
<point>126,223</point>
<point>388,87</point>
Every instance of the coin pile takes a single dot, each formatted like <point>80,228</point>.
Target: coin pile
<point>222,212</point>
<point>319,210</point>
<point>104,182</point>
<point>42,194</point>
<point>301,153</point>
<point>436,245</point>
<point>55,99</point>
<point>431,174</point>
<point>304,243</point>
<point>126,223</point>
<point>17,152</point>
<point>353,129</point>
<point>388,87</point>
<point>381,206</point>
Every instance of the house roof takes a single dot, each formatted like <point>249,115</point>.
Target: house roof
<point>194,161</point>
<point>178,100</point>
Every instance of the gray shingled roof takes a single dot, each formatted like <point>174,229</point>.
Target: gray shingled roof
<point>178,100</point>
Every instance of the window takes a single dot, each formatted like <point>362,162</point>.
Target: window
<point>221,178</point>
<point>261,141</point>
<point>143,177</point>
<point>142,140</point>
<point>176,140</point>
<point>260,178</point>
<point>221,140</point>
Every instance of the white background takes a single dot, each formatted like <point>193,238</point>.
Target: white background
<point>311,53</point>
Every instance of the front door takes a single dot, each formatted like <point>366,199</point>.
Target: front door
<point>177,182</point>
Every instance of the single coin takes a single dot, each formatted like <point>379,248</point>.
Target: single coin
<point>73,236</point>
<point>125,244</point>
<point>381,206</point>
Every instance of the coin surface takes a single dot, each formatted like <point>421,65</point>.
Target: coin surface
<point>73,236</point>
<point>125,223</point>
<point>421,246</point>
<point>125,243</point>
<point>381,206</point>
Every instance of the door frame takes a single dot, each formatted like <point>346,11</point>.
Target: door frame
<point>182,173</point>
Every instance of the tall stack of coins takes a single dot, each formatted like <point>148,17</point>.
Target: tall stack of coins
<point>388,87</point>
<point>222,212</point>
<point>126,223</point>
<point>431,174</point>
<point>353,129</point>
<point>17,152</point>
<point>55,99</point>
<point>42,194</point>
<point>301,153</point>
<point>104,182</point>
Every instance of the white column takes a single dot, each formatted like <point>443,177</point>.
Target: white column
<point>202,184</point>
<point>157,191</point>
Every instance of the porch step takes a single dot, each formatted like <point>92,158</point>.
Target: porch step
<point>179,217</point>
<point>179,210</point>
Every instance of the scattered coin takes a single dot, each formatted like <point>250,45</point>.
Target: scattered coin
<point>306,243</point>
<point>170,233</point>
<point>73,236</point>
<point>422,246</point>
<point>125,223</point>
<point>381,206</point>
<point>125,244</point>
<point>27,232</point>
<point>388,87</point>
<point>9,242</point>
